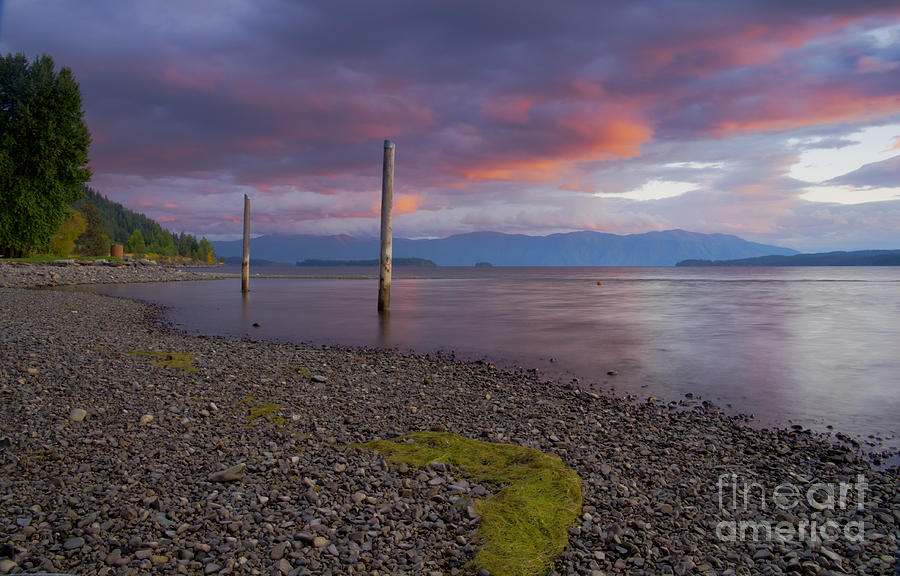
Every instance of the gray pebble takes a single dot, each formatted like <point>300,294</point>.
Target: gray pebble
<point>72,543</point>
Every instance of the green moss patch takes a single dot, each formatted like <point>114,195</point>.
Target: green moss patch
<point>263,410</point>
<point>177,360</point>
<point>38,457</point>
<point>299,370</point>
<point>525,524</point>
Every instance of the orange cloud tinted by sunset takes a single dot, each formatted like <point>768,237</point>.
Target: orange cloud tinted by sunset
<point>406,203</point>
<point>581,140</point>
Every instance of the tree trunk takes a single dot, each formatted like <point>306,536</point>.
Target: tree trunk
<point>8,252</point>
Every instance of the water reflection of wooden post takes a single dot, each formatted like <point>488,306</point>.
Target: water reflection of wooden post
<point>387,193</point>
<point>384,330</point>
<point>245,262</point>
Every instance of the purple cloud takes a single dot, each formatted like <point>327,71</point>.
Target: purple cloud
<point>877,174</point>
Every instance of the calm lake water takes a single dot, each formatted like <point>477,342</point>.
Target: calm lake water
<point>808,346</point>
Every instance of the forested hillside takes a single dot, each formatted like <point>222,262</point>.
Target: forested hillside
<point>140,234</point>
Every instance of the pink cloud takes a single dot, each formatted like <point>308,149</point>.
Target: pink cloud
<point>789,108</point>
<point>204,75</point>
<point>716,46</point>
<point>508,110</point>
<point>327,108</point>
<point>259,144</point>
<point>872,65</point>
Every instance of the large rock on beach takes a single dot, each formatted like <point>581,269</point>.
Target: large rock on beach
<point>231,474</point>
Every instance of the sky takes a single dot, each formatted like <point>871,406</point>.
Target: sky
<point>775,121</point>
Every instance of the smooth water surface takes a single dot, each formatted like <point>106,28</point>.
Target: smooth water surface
<point>813,346</point>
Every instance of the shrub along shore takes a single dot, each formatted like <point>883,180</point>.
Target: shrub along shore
<point>128,448</point>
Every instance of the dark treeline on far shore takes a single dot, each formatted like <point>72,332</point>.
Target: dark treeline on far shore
<point>418,262</point>
<point>237,260</point>
<point>857,258</point>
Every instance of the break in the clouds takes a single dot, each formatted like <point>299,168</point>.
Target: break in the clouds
<point>777,121</point>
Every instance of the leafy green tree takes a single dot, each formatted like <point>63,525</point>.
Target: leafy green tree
<point>43,151</point>
<point>155,239</point>
<point>191,248</point>
<point>183,243</point>
<point>167,244</point>
<point>63,242</point>
<point>205,251</point>
<point>94,241</point>
<point>136,244</point>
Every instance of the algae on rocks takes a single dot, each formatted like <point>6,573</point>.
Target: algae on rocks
<point>525,524</point>
<point>177,360</point>
<point>263,410</point>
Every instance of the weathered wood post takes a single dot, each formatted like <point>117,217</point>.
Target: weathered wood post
<point>245,262</point>
<point>387,193</point>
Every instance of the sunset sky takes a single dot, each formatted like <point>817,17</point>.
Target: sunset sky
<point>775,121</point>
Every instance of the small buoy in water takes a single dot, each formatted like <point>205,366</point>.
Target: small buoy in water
<point>599,283</point>
<point>256,324</point>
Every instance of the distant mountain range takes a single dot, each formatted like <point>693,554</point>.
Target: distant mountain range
<point>857,258</point>
<point>586,248</point>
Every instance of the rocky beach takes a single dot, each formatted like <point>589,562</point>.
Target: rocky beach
<point>69,272</point>
<point>127,447</point>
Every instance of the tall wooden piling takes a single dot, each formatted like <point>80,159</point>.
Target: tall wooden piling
<point>245,262</point>
<point>387,194</point>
